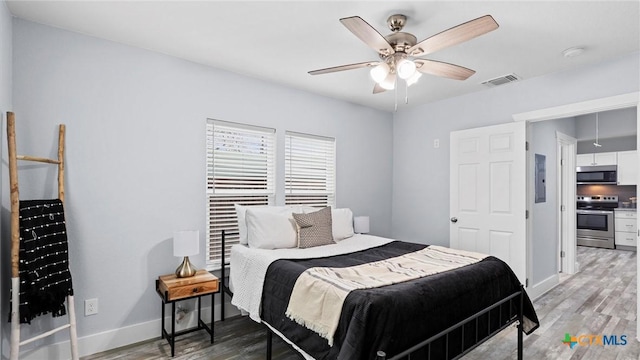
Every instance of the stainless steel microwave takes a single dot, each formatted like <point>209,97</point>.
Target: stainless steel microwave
<point>602,174</point>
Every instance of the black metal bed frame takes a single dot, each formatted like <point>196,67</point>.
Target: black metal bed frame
<point>517,297</point>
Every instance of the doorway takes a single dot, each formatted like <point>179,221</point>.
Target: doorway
<point>582,108</point>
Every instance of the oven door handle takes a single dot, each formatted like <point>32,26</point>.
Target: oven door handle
<point>596,212</point>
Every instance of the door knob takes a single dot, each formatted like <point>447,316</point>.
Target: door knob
<point>454,220</point>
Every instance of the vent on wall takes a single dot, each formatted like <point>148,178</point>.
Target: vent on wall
<point>501,80</point>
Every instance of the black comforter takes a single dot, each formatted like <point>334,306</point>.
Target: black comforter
<point>393,318</point>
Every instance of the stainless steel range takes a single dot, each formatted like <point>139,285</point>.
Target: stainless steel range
<point>595,220</point>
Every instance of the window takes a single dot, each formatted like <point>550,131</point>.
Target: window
<point>310,170</point>
<point>240,170</point>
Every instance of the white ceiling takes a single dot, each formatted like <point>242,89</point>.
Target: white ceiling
<point>281,41</point>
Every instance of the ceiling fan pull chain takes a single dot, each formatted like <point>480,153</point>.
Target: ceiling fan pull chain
<point>395,90</point>
<point>406,92</point>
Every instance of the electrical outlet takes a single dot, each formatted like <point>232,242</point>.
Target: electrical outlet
<point>436,143</point>
<point>90,307</point>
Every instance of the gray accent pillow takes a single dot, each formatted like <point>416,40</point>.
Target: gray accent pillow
<point>314,229</point>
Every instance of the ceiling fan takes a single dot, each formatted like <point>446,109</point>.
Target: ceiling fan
<point>398,50</point>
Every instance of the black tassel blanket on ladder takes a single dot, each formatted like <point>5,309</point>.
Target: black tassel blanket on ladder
<point>45,280</point>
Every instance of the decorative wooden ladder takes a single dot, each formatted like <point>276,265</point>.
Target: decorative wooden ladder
<point>15,242</point>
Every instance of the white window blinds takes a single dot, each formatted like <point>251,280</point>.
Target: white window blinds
<point>310,170</point>
<point>240,170</point>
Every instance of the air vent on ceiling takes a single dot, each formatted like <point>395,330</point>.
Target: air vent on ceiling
<point>501,80</point>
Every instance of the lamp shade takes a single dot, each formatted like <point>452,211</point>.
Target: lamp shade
<point>406,69</point>
<point>379,72</point>
<point>389,83</point>
<point>186,242</point>
<point>361,224</point>
<point>413,79</point>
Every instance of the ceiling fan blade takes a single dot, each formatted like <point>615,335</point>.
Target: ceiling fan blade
<point>368,34</point>
<point>343,67</point>
<point>455,35</point>
<point>378,89</point>
<point>443,69</point>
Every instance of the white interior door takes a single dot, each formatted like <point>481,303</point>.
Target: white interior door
<point>488,194</point>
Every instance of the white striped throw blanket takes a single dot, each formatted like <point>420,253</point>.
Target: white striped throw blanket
<point>319,293</point>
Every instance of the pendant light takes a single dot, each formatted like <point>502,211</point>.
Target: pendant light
<point>597,144</point>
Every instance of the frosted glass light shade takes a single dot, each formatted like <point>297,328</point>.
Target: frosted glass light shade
<point>186,242</point>
<point>361,224</point>
<point>414,79</point>
<point>379,72</point>
<point>389,83</point>
<point>406,69</point>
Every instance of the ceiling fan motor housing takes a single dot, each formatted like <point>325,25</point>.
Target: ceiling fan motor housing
<point>401,41</point>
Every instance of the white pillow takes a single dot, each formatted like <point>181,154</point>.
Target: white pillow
<point>269,229</point>
<point>342,223</point>
<point>242,224</point>
<point>341,220</point>
<point>241,215</point>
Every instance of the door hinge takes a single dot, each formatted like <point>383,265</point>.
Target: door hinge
<point>561,161</point>
<point>526,214</point>
<point>561,254</point>
<point>526,146</point>
<point>526,283</point>
<point>562,208</point>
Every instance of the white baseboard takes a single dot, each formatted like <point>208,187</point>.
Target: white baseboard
<point>542,287</point>
<point>128,335</point>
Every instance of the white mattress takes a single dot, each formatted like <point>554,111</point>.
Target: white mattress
<point>249,267</point>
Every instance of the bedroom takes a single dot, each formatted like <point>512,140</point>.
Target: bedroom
<point>130,112</point>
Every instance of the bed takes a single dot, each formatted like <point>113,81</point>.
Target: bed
<point>440,316</point>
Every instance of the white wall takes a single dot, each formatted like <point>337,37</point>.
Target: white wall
<point>136,155</point>
<point>611,124</point>
<point>616,131</point>
<point>421,173</point>
<point>544,241</point>
<point>5,105</point>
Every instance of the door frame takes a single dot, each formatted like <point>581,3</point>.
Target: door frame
<point>566,196</point>
<point>586,107</point>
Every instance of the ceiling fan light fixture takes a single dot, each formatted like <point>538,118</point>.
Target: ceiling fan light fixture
<point>414,79</point>
<point>389,83</point>
<point>380,72</point>
<point>406,69</point>
<point>397,51</point>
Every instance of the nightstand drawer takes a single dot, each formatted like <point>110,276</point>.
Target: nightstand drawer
<point>178,288</point>
<point>190,290</point>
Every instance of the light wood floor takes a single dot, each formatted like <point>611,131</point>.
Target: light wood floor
<point>601,299</point>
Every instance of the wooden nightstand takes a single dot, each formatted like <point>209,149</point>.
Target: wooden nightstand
<point>172,289</point>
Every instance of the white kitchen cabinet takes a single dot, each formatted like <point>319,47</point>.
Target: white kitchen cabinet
<point>605,158</point>
<point>584,159</point>
<point>625,228</point>
<point>628,167</point>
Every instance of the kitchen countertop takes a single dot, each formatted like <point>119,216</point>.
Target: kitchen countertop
<point>625,209</point>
